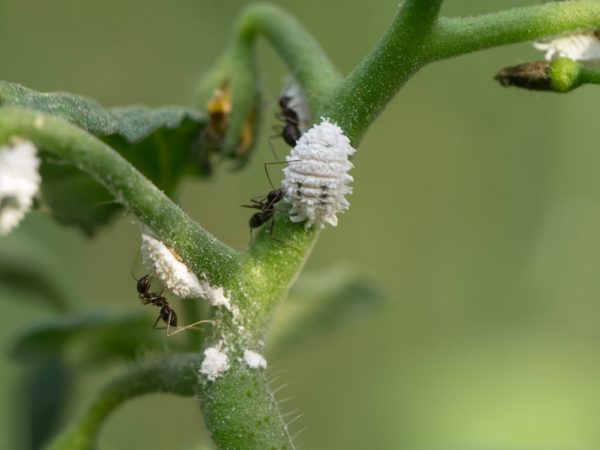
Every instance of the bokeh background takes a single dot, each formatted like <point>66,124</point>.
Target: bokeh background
<point>476,207</point>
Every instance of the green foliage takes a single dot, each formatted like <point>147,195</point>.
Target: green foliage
<point>163,143</point>
<point>173,374</point>
<point>45,392</point>
<point>91,338</point>
<point>132,123</point>
<point>32,282</point>
<point>138,154</point>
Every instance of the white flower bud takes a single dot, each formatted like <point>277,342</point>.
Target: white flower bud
<point>19,182</point>
<point>316,179</point>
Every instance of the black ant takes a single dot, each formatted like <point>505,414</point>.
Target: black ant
<point>167,314</point>
<point>266,207</point>
<point>266,204</point>
<point>290,132</point>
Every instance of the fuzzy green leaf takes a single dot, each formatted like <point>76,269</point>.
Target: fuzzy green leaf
<point>31,282</point>
<point>46,388</point>
<point>133,123</point>
<point>161,142</point>
<point>95,339</point>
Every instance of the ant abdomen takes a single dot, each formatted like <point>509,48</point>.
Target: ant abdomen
<point>168,316</point>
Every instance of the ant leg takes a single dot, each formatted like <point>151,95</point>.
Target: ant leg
<point>156,322</point>
<point>270,140</point>
<point>272,227</point>
<point>192,325</point>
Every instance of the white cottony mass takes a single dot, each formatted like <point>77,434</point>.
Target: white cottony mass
<point>316,178</point>
<point>214,364</point>
<point>19,182</point>
<point>174,274</point>
<point>578,47</point>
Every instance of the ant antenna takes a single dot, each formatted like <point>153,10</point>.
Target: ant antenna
<point>187,327</point>
<point>133,263</point>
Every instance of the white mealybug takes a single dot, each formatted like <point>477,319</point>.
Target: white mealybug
<point>19,182</point>
<point>316,179</point>
<point>175,275</point>
<point>578,47</point>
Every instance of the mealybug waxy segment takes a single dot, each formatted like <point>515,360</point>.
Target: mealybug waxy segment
<point>316,181</point>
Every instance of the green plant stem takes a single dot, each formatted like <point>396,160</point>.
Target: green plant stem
<point>239,408</point>
<point>566,75</point>
<point>363,95</point>
<point>300,51</point>
<point>589,75</point>
<point>458,36</point>
<point>404,50</point>
<point>173,374</point>
<point>201,251</point>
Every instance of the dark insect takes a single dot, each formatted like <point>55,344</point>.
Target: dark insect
<point>266,206</point>
<point>290,131</point>
<point>166,313</point>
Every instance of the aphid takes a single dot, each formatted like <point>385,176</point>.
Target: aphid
<point>166,313</point>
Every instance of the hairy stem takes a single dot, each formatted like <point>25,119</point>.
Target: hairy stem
<point>362,96</point>
<point>300,51</point>
<point>201,251</point>
<point>172,374</point>
<point>457,36</point>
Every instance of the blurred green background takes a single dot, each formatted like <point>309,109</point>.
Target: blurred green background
<point>477,207</point>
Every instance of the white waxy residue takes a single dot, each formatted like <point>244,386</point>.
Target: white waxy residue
<point>174,274</point>
<point>578,47</point>
<point>19,182</point>
<point>214,364</point>
<point>255,360</point>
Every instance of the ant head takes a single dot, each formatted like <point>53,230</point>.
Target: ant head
<point>284,101</point>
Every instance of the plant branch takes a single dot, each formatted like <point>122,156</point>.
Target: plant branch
<point>201,251</point>
<point>457,36</point>
<point>172,374</point>
<point>300,51</point>
<point>362,96</point>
